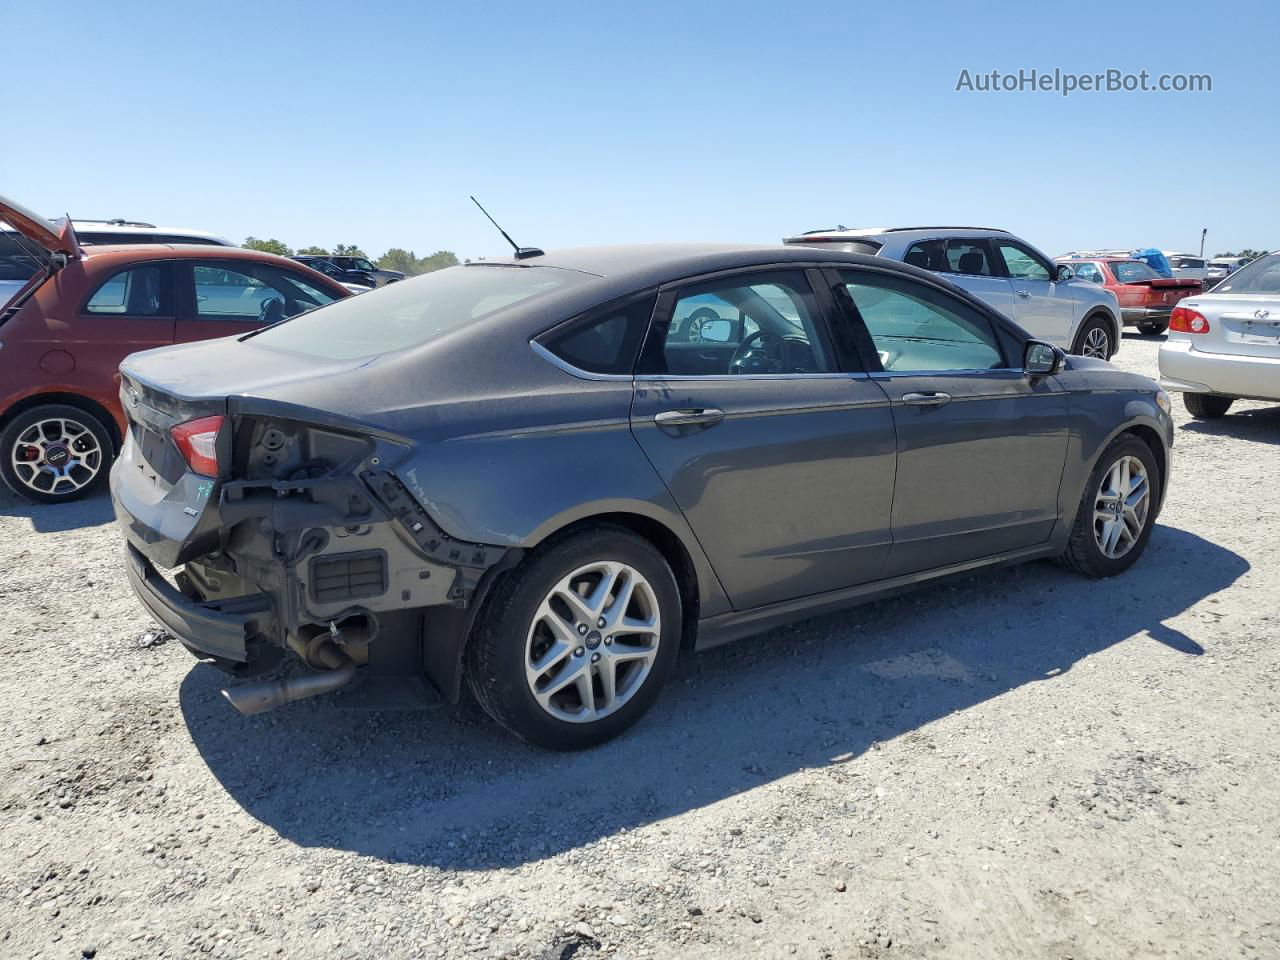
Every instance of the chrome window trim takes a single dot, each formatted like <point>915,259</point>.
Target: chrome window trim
<point>738,378</point>
<point>573,371</point>
<point>943,373</point>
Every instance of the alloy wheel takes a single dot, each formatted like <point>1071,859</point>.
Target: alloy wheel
<point>1121,507</point>
<point>593,642</point>
<point>57,456</point>
<point>1096,344</point>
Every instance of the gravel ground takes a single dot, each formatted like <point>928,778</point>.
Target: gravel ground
<point>1021,764</point>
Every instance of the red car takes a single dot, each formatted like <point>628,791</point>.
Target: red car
<point>1146,298</point>
<point>63,335</point>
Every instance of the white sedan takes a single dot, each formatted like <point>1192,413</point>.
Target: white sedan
<point>1225,345</point>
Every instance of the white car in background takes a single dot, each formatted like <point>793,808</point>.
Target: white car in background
<point>1220,268</point>
<point>1186,266</point>
<point>1043,298</point>
<point>19,261</point>
<point>1225,345</point>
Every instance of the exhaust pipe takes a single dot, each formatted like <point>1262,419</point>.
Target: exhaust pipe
<point>261,697</point>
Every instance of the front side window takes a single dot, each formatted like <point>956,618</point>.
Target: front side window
<point>417,311</point>
<point>136,292</point>
<point>917,329</point>
<point>1087,271</point>
<point>228,291</point>
<point>1021,263</point>
<point>756,324</point>
<point>1132,271</point>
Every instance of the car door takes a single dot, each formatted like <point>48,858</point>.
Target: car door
<point>1041,305</point>
<point>220,298</point>
<point>130,310</point>
<point>781,462</point>
<point>981,447</point>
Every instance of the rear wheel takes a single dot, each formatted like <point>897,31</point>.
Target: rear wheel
<point>55,453</point>
<point>575,643</point>
<point>1152,329</point>
<point>1095,339</point>
<point>1117,510</point>
<point>1207,406</point>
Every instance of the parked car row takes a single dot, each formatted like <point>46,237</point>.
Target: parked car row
<point>84,308</point>
<point>1146,299</point>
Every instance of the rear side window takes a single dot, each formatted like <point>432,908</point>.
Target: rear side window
<point>607,342</point>
<point>136,292</point>
<point>918,329</point>
<point>244,292</point>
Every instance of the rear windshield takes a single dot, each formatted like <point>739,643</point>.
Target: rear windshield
<point>414,312</point>
<point>1261,276</point>
<point>19,257</point>
<point>1131,271</point>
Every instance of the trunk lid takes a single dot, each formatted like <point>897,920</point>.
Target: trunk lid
<point>1239,324</point>
<point>53,237</point>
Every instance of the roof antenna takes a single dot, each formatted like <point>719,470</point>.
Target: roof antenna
<point>521,252</point>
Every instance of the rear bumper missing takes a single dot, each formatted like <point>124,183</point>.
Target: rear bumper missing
<point>219,629</point>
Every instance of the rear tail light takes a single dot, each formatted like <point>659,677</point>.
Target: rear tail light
<point>1185,320</point>
<point>197,441</point>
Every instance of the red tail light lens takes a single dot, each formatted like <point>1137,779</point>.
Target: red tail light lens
<point>197,442</point>
<point>1184,320</point>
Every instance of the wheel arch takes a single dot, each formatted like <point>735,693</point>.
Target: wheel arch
<point>1104,312</point>
<point>77,400</point>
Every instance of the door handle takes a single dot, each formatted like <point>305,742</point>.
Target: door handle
<point>1023,294</point>
<point>926,399</point>
<point>704,417</point>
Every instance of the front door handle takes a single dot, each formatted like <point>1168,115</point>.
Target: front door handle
<point>703,417</point>
<point>1025,295</point>
<point>926,399</point>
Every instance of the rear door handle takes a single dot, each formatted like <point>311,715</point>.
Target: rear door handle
<point>704,417</point>
<point>1025,295</point>
<point>926,399</point>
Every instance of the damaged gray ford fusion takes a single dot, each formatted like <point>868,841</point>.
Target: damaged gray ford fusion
<point>545,477</point>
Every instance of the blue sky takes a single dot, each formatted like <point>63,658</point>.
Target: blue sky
<point>583,123</point>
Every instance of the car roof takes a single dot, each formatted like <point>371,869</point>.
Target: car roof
<point>853,233</point>
<point>1107,258</point>
<point>143,230</point>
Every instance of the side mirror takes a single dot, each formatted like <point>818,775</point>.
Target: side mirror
<point>1040,359</point>
<point>1064,272</point>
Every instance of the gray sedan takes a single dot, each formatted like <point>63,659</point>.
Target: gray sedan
<point>548,477</point>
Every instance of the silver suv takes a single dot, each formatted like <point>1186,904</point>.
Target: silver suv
<point>1005,271</point>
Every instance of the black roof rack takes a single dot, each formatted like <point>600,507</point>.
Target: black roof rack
<point>117,222</point>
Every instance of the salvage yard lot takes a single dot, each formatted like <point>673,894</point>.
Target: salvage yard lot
<point>1024,763</point>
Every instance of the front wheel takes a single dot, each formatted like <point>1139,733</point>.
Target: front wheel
<point>575,643</point>
<point>1207,406</point>
<point>1095,340</point>
<point>1117,511</point>
<point>54,453</point>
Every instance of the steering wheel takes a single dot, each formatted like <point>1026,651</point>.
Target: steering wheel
<point>766,352</point>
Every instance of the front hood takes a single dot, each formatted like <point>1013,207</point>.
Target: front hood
<point>52,237</point>
<point>1103,374</point>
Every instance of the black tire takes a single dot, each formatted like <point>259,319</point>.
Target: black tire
<point>1207,406</point>
<point>496,654</point>
<point>1083,554</point>
<point>85,425</point>
<point>1092,329</point>
<point>1153,329</point>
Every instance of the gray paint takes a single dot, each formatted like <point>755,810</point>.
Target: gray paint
<point>813,491</point>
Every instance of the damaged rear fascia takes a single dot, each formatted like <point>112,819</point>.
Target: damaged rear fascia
<point>294,507</point>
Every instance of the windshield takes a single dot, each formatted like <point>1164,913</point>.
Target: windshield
<point>361,264</point>
<point>414,312</point>
<point>1132,271</point>
<point>1261,276</point>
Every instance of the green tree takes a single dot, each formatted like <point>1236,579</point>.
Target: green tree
<point>1251,254</point>
<point>267,246</point>
<point>348,250</point>
<point>399,259</point>
<point>438,261</point>
<point>313,252</point>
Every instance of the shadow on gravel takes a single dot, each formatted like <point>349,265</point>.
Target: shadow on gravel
<point>93,511</point>
<point>1252,424</point>
<point>420,788</point>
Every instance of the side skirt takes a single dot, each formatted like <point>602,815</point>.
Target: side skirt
<point>727,627</point>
